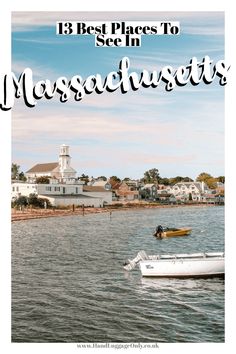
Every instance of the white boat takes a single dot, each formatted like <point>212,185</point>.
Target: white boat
<point>179,265</point>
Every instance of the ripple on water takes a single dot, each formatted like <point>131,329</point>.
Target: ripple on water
<point>68,284</point>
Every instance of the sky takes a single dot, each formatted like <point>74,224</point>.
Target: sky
<point>179,132</point>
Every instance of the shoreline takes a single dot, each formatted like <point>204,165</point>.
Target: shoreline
<point>28,214</point>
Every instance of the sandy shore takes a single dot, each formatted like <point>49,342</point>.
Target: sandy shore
<point>28,213</point>
<point>18,215</point>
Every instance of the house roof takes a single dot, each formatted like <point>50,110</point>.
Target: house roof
<point>87,188</point>
<point>196,184</point>
<point>100,183</point>
<point>149,185</point>
<point>64,196</point>
<point>189,183</point>
<point>43,167</point>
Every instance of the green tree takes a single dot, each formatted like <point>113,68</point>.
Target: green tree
<point>103,178</point>
<point>21,201</point>
<point>187,179</point>
<point>22,177</point>
<point>33,200</point>
<point>179,179</point>
<point>84,178</point>
<point>43,180</point>
<point>42,201</point>
<point>16,174</point>
<point>126,179</point>
<point>15,170</point>
<point>221,179</point>
<point>164,181</point>
<point>151,176</point>
<point>114,179</point>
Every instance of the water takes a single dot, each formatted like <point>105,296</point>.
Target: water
<point>68,283</point>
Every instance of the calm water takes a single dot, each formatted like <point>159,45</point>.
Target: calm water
<point>68,283</point>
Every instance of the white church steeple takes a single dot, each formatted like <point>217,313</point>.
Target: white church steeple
<point>64,157</point>
<point>66,171</point>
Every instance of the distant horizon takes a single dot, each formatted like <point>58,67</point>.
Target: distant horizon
<point>122,177</point>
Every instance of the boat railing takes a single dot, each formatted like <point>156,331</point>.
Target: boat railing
<point>187,256</point>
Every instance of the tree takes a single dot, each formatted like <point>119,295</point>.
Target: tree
<point>43,180</point>
<point>21,201</point>
<point>84,178</point>
<point>164,181</point>
<point>208,179</point>
<point>15,170</point>
<point>22,177</point>
<point>16,174</point>
<point>187,179</point>
<point>102,178</point>
<point>221,179</point>
<point>151,176</point>
<point>203,177</point>
<point>126,179</point>
<point>114,179</point>
<point>42,201</point>
<point>33,199</point>
<point>179,179</point>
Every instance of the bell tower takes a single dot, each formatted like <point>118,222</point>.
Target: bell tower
<point>64,158</point>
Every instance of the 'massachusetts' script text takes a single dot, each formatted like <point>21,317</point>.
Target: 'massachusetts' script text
<point>124,80</point>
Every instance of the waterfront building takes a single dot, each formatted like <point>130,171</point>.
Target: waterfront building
<point>188,190</point>
<point>63,188</point>
<point>123,192</point>
<point>64,194</point>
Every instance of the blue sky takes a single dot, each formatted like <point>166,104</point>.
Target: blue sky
<point>179,132</point>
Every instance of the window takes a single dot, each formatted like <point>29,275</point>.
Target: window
<point>57,189</point>
<point>48,188</point>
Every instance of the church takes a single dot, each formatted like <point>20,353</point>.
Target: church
<point>63,188</point>
<point>61,170</point>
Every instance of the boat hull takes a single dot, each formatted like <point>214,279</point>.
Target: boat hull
<point>173,232</point>
<point>212,266</point>
<point>180,232</point>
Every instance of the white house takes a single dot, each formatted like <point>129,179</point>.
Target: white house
<point>187,190</point>
<point>63,194</point>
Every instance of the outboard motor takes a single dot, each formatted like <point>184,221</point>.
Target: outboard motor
<point>159,231</point>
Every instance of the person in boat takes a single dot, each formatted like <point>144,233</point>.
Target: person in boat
<point>159,231</point>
